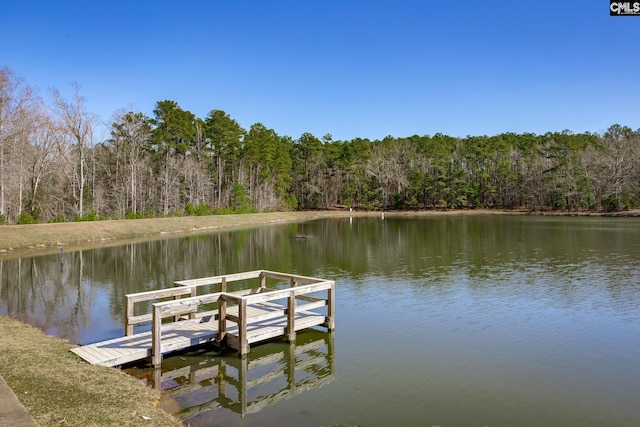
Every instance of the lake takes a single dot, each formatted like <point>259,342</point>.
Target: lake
<point>475,320</point>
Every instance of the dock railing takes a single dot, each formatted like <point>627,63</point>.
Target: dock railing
<point>180,289</point>
<point>243,318</point>
<point>174,309</point>
<point>254,306</point>
<point>131,319</point>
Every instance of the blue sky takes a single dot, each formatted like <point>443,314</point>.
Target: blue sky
<point>350,68</point>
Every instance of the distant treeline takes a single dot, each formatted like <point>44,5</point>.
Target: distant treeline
<point>52,167</point>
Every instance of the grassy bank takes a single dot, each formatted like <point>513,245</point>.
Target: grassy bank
<point>58,388</point>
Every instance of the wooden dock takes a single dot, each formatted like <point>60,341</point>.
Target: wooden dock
<point>240,318</point>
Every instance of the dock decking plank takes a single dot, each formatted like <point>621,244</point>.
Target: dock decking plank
<point>188,333</point>
<point>255,314</point>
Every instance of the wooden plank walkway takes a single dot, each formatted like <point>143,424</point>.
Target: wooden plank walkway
<point>121,350</point>
<point>192,332</point>
<point>243,317</point>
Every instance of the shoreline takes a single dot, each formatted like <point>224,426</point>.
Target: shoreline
<point>44,239</point>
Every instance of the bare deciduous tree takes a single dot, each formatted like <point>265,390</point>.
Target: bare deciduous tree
<point>613,165</point>
<point>130,134</point>
<point>78,125</point>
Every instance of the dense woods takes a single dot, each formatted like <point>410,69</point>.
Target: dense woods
<point>54,168</point>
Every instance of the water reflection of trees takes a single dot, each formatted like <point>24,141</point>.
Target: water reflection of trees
<point>45,293</point>
<point>565,261</point>
<point>410,246</point>
<point>66,298</point>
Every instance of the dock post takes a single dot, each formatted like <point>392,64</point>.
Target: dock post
<point>128,328</point>
<point>222,320</point>
<point>291,316</point>
<point>157,378</point>
<point>243,345</point>
<point>194,292</point>
<point>177,316</point>
<point>156,341</point>
<point>331,304</point>
<point>222,313</point>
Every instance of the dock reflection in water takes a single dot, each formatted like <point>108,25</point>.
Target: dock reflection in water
<point>198,382</point>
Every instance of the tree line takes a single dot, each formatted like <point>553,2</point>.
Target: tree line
<point>54,168</point>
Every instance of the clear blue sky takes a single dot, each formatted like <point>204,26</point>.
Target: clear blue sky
<point>350,68</point>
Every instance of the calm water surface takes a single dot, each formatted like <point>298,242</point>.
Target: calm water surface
<point>448,321</point>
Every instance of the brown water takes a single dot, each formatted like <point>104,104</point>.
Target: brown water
<point>449,321</point>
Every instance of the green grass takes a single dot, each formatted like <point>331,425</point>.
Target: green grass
<point>58,388</point>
